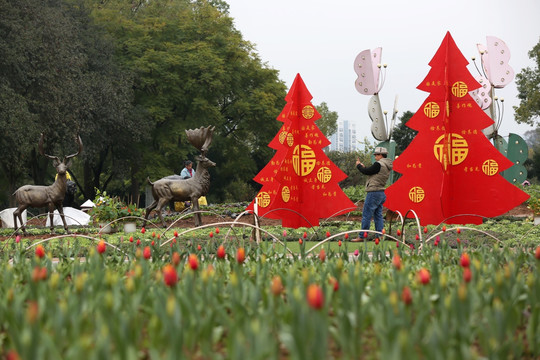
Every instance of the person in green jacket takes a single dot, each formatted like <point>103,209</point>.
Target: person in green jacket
<point>378,174</point>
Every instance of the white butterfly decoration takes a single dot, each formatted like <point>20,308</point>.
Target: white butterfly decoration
<point>367,66</point>
<point>497,74</point>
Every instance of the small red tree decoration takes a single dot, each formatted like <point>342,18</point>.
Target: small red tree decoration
<point>450,170</point>
<point>300,183</point>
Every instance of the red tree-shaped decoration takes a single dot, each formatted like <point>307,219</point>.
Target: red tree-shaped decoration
<point>300,183</point>
<point>451,171</point>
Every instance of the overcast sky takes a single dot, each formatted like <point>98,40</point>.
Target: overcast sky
<point>320,40</point>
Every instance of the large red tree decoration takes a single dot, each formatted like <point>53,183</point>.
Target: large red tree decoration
<point>300,183</point>
<point>451,172</point>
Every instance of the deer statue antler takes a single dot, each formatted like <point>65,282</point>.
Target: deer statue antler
<point>40,146</point>
<point>201,138</point>
<point>79,142</point>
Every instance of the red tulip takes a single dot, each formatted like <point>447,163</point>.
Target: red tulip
<point>175,233</point>
<point>18,239</point>
<point>40,251</point>
<point>396,261</point>
<point>339,243</point>
<point>406,295</point>
<point>315,296</point>
<point>12,355</point>
<point>335,284</point>
<point>153,234</point>
<point>417,237</point>
<point>458,230</point>
<point>328,234</point>
<point>175,258</point>
<point>217,230</point>
<point>383,231</point>
<point>322,255</point>
<point>423,276</point>
<point>240,255</point>
<point>153,243</point>
<point>169,275</point>
<point>365,235</point>
<point>193,261</point>
<point>39,273</point>
<point>398,232</point>
<point>284,233</point>
<point>300,241</point>
<point>444,228</point>
<point>221,252</point>
<point>131,238</point>
<point>467,275</point>
<point>537,253</point>
<point>143,230</point>
<point>277,285</point>
<point>356,252</point>
<point>465,260</point>
<point>101,247</point>
<point>425,229</point>
<point>346,236</point>
<point>305,235</point>
<point>147,252</point>
<point>211,234</point>
<point>377,241</point>
<point>138,242</point>
<point>199,247</point>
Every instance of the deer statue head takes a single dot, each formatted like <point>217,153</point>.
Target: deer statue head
<point>61,166</point>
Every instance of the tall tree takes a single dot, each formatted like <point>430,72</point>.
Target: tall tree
<point>402,134</point>
<point>57,64</point>
<point>528,85</point>
<point>328,121</point>
<point>192,68</point>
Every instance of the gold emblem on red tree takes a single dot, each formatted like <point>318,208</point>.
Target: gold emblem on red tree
<point>432,109</point>
<point>490,167</point>
<point>286,194</point>
<point>282,137</point>
<point>303,160</point>
<point>451,149</point>
<point>263,199</point>
<point>324,174</point>
<point>459,89</point>
<point>290,139</point>
<point>308,111</point>
<point>416,194</point>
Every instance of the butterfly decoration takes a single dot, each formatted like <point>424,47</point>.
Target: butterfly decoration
<point>496,73</point>
<point>367,66</point>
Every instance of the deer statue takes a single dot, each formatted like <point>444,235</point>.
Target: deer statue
<point>51,196</point>
<point>174,188</point>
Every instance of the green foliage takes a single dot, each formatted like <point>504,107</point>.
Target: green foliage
<point>192,68</point>
<point>402,134</point>
<point>328,121</point>
<point>528,83</point>
<point>175,297</point>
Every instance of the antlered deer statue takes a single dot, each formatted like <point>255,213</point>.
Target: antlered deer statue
<point>51,196</point>
<point>174,188</point>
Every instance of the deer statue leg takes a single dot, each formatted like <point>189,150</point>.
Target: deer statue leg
<point>61,212</point>
<point>161,204</point>
<point>17,214</point>
<point>51,215</point>
<point>149,210</point>
<point>197,216</point>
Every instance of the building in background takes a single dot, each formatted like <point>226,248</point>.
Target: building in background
<point>344,139</point>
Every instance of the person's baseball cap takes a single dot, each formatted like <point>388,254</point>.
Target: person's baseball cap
<point>379,150</point>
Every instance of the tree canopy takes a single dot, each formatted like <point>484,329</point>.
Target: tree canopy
<point>528,85</point>
<point>402,134</point>
<point>130,78</point>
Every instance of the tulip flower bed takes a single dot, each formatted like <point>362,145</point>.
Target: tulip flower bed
<point>153,298</point>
